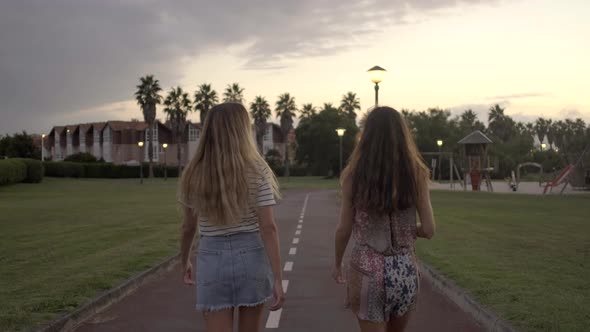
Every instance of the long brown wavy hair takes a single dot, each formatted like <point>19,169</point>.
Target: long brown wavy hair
<point>215,182</point>
<point>385,168</point>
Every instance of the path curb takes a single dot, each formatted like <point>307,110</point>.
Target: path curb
<point>489,320</point>
<point>70,321</point>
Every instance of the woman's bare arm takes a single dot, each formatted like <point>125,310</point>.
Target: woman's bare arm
<point>270,237</point>
<point>188,230</point>
<point>344,229</point>
<point>427,226</point>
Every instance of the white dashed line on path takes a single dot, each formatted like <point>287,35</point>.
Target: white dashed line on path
<point>274,317</point>
<point>288,266</point>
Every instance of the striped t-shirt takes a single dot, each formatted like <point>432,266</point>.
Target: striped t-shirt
<point>260,195</point>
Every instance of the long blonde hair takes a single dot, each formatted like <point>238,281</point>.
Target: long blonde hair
<point>215,182</point>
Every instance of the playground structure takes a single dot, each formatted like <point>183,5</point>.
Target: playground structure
<point>437,164</point>
<point>516,181</point>
<point>476,164</point>
<point>576,175</point>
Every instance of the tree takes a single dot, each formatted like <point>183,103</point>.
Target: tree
<point>285,108</point>
<point>19,146</point>
<point>317,142</point>
<point>233,94</point>
<point>542,128</point>
<point>500,125</point>
<point>349,104</point>
<point>205,99</point>
<point>177,106</point>
<point>468,123</point>
<point>260,111</point>
<point>148,96</point>
<point>307,111</point>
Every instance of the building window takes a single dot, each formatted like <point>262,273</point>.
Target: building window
<point>267,134</point>
<point>193,134</point>
<point>154,130</point>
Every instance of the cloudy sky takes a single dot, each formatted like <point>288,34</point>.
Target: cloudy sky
<point>77,61</point>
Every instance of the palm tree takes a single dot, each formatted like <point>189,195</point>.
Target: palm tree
<point>233,93</point>
<point>205,99</point>
<point>541,128</point>
<point>349,104</point>
<point>260,111</point>
<point>285,108</point>
<point>307,111</point>
<point>177,106</point>
<point>148,96</point>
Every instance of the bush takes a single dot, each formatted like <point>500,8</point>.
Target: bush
<point>12,171</point>
<point>102,170</point>
<point>293,170</point>
<point>81,157</point>
<point>34,170</point>
<point>64,169</point>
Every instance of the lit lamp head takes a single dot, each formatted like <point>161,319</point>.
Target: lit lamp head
<point>165,145</point>
<point>43,136</point>
<point>439,142</point>
<point>140,144</point>
<point>340,131</point>
<point>68,131</point>
<point>543,146</point>
<point>376,73</point>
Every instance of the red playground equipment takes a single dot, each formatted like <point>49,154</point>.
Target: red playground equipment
<point>562,178</point>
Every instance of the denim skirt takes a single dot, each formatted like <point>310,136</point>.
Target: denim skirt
<point>232,271</point>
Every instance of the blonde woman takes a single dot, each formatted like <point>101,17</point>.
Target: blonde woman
<point>227,192</point>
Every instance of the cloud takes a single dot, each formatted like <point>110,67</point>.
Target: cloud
<point>520,96</point>
<point>65,55</point>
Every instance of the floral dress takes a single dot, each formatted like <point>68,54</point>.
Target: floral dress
<point>383,276</point>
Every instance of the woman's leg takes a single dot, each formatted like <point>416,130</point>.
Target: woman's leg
<point>398,324</point>
<point>219,321</point>
<point>250,318</point>
<point>368,326</point>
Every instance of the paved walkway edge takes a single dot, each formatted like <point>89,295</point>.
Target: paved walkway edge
<point>486,318</point>
<point>70,321</point>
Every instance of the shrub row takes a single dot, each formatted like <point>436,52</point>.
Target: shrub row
<point>293,170</point>
<point>102,170</point>
<point>20,170</point>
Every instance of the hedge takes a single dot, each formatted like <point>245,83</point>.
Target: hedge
<point>12,171</point>
<point>34,170</point>
<point>102,170</point>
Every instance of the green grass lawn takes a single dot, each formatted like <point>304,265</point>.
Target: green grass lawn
<point>526,257</point>
<point>65,240</point>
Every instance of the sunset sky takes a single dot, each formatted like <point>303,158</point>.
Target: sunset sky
<point>67,62</point>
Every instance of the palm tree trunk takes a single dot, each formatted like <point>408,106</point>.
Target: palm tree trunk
<point>178,153</point>
<point>150,151</point>
<point>287,159</point>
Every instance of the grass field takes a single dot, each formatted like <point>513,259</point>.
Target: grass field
<point>65,240</point>
<point>526,257</point>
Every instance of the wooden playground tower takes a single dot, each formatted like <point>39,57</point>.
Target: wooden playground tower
<point>475,161</point>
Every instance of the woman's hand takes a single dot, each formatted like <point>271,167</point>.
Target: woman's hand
<point>337,275</point>
<point>187,274</point>
<point>279,296</point>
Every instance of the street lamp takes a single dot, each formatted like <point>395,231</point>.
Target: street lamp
<point>543,146</point>
<point>439,143</point>
<point>340,132</point>
<point>165,145</point>
<point>140,145</point>
<point>376,73</point>
<point>42,147</point>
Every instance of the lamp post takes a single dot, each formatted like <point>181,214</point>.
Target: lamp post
<point>165,145</point>
<point>140,145</point>
<point>42,147</point>
<point>340,132</point>
<point>439,143</point>
<point>376,73</point>
<point>543,146</point>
